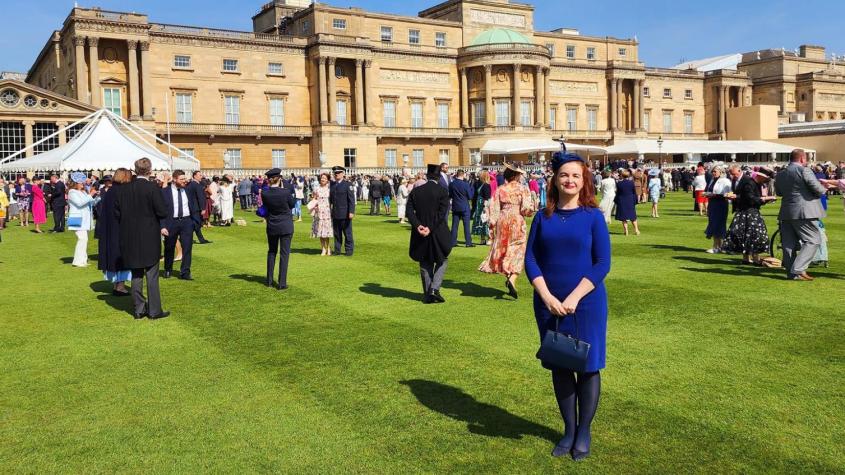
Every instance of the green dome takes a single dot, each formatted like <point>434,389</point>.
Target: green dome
<point>499,36</point>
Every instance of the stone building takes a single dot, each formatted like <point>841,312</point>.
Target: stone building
<point>369,89</point>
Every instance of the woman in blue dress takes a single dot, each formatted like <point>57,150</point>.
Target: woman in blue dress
<point>626,202</point>
<point>566,260</point>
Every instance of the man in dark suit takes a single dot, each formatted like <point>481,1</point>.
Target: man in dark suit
<point>342,201</point>
<point>196,193</point>
<point>58,203</point>
<point>443,178</point>
<point>427,208</point>
<point>375,195</point>
<point>139,208</point>
<point>179,224</point>
<point>461,194</point>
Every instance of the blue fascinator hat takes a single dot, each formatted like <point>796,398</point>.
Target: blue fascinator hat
<point>563,157</point>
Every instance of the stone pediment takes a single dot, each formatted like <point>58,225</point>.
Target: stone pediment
<point>20,98</point>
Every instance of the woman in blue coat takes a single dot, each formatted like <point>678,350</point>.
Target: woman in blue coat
<point>566,260</point>
<point>626,202</point>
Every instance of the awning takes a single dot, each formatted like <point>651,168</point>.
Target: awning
<point>514,146</point>
<point>678,147</point>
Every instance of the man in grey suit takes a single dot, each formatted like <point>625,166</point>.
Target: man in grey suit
<point>799,211</point>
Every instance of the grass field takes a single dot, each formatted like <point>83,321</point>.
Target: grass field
<point>712,367</point>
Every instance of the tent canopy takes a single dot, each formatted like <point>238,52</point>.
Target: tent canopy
<point>514,146</point>
<point>673,147</point>
<point>102,145</point>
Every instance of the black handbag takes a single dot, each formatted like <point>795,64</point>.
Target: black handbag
<point>562,351</point>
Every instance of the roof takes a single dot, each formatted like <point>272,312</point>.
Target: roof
<point>679,147</point>
<point>499,36</point>
<point>728,61</point>
<point>818,127</point>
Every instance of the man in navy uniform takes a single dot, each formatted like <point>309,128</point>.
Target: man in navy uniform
<point>342,201</point>
<point>461,193</point>
<point>427,209</point>
<point>179,224</point>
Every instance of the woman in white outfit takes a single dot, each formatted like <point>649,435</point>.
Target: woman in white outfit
<point>80,216</point>
<point>227,201</point>
<point>402,199</point>
<point>608,193</point>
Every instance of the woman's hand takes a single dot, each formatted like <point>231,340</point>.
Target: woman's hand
<point>554,306</point>
<point>570,304</point>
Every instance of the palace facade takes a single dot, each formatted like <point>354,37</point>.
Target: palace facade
<point>317,85</point>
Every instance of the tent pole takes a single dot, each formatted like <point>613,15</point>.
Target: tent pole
<point>156,139</point>
<point>88,117</point>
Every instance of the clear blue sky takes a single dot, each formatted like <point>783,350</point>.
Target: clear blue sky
<point>667,30</point>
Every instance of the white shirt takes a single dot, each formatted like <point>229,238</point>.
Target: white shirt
<point>185,210</point>
<point>699,183</point>
<point>722,186</point>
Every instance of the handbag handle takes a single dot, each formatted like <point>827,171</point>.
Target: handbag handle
<point>574,316</point>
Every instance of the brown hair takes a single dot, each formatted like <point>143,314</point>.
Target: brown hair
<point>510,174</point>
<point>586,198</point>
<point>484,176</point>
<point>143,167</point>
<point>274,180</point>
<point>121,176</point>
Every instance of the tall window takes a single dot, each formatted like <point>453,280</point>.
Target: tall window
<point>277,111</point>
<point>667,122</point>
<point>444,155</point>
<point>339,24</point>
<point>571,118</point>
<point>418,157</point>
<point>232,105</point>
<point>389,113</point>
<point>553,117</point>
<point>390,157</point>
<point>189,152</point>
<point>414,37</point>
<point>181,61</point>
<point>341,112</point>
<point>592,118</point>
<point>275,68</point>
<point>525,113</point>
<point>417,115</point>
<point>503,113</point>
<point>647,120</point>
<point>184,108</point>
<point>479,114</point>
<point>646,91</point>
<point>12,138</point>
<point>591,53</point>
<point>570,51</point>
<point>42,130</point>
<point>350,156</point>
<point>230,65</point>
<point>687,122</point>
<point>386,34</point>
<point>111,100</point>
<point>279,158</point>
<point>440,39</point>
<point>443,115</point>
<point>232,158</point>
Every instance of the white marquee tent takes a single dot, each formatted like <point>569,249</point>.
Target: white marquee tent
<point>672,147</point>
<point>107,142</point>
<point>514,146</point>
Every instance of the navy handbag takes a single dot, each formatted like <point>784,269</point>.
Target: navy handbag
<point>261,212</point>
<point>562,351</point>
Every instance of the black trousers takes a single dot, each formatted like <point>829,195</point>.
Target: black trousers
<point>343,234</point>
<point>278,244</point>
<point>183,230</point>
<point>153,300</point>
<point>197,223</point>
<point>457,217</point>
<point>58,217</point>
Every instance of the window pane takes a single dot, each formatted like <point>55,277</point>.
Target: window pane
<point>414,37</point>
<point>571,118</point>
<point>390,157</point>
<point>277,111</point>
<point>416,115</point>
<point>592,118</point>
<point>230,65</point>
<point>525,113</point>
<point>667,122</point>
<point>274,68</point>
<point>386,33</point>
<point>443,115</point>
<point>479,114</point>
<point>233,110</point>
<point>341,112</point>
<point>440,40</point>
<point>279,159</point>
<point>181,61</point>
<point>184,108</point>
<point>444,155</point>
<point>503,115</point>
<point>553,118</point>
<point>418,157</point>
<point>389,114</point>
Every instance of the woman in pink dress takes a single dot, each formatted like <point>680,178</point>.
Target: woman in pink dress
<point>39,204</point>
<point>321,210</point>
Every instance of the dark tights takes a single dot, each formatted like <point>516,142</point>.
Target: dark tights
<point>583,389</point>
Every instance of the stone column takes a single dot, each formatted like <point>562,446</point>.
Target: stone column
<point>146,79</point>
<point>724,109</point>
<point>547,106</point>
<point>464,99</point>
<point>94,58</point>
<point>636,103</point>
<point>359,92</point>
<point>322,92</point>
<point>62,135</point>
<point>81,69</point>
<point>368,92</point>
<point>488,95</point>
<point>134,93</point>
<point>620,121</point>
<point>515,109</point>
<point>613,101</point>
<point>27,134</point>
<point>539,97</point>
<point>330,62</point>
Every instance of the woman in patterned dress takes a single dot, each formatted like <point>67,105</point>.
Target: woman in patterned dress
<point>23,195</point>
<point>480,223</point>
<point>321,210</point>
<point>748,233</point>
<point>511,203</point>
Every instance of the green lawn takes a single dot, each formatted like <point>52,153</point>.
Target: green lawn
<point>712,367</point>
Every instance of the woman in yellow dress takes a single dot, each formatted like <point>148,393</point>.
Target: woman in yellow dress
<point>508,208</point>
<point>4,203</point>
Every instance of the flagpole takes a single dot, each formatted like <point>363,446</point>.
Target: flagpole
<point>167,118</point>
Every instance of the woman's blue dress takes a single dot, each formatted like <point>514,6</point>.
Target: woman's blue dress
<point>564,248</point>
<point>626,201</point>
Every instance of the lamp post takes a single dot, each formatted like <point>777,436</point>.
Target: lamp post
<point>660,150</point>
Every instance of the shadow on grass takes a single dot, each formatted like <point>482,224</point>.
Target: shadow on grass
<point>667,247</point>
<point>708,260</point>
<point>762,272</point>
<point>68,260</point>
<point>388,292</point>
<point>257,279</point>
<point>121,304</point>
<point>481,418</point>
<point>469,289</point>
<point>306,250</point>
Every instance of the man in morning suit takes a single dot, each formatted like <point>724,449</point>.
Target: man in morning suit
<point>461,194</point>
<point>179,224</point>
<point>427,208</point>
<point>139,208</point>
<point>58,203</point>
<point>375,196</point>
<point>800,210</point>
<point>342,201</point>
<point>196,193</point>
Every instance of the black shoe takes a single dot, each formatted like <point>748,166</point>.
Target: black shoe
<point>268,282</point>
<point>435,295</point>
<point>118,293</point>
<point>205,242</point>
<point>579,456</point>
<point>564,447</point>
<point>427,299</point>
<point>511,289</point>
<point>470,245</point>
<point>282,287</point>
<point>141,315</point>
<point>167,274</point>
<point>186,277</point>
<point>163,314</point>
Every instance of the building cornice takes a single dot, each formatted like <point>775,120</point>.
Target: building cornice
<point>382,16</point>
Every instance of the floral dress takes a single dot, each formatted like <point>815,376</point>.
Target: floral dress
<point>322,225</point>
<point>510,204</point>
